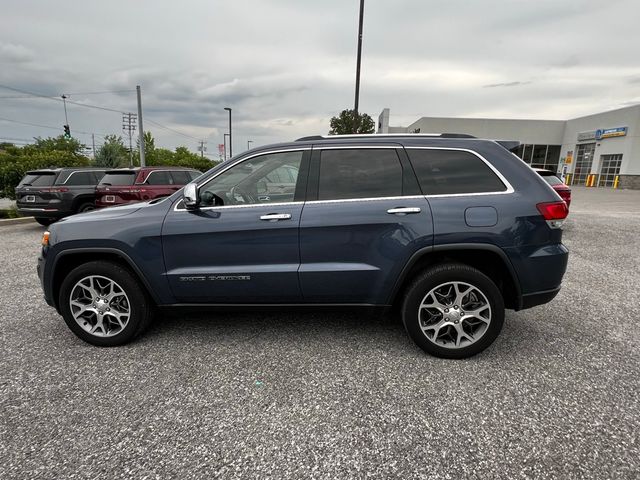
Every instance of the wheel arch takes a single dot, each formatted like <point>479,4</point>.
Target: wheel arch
<point>81,199</point>
<point>489,259</point>
<point>67,260</point>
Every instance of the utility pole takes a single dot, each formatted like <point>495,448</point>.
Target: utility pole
<point>249,142</point>
<point>67,128</point>
<point>202,148</point>
<point>357,101</point>
<point>93,143</point>
<point>140,129</point>
<point>230,137</point>
<point>128,127</point>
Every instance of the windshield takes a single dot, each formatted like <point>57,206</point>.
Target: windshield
<point>120,178</point>
<point>38,179</point>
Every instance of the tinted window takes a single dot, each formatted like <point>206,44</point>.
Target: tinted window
<point>442,172</point>
<point>255,181</point>
<point>194,175</point>
<point>120,178</point>
<point>161,177</point>
<point>38,179</point>
<point>366,173</point>
<point>80,178</point>
<point>180,177</point>
<point>552,180</point>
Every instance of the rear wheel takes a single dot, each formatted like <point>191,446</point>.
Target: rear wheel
<point>45,221</point>
<point>104,304</point>
<point>86,207</point>
<point>453,311</point>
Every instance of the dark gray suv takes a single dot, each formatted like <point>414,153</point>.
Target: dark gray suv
<point>51,194</point>
<point>450,230</point>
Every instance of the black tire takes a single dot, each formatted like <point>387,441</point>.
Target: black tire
<point>85,207</point>
<point>141,308</point>
<point>439,275</point>
<point>45,222</point>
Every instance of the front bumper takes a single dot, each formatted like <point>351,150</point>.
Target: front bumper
<point>40,269</point>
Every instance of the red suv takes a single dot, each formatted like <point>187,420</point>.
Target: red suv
<point>557,184</point>
<point>140,184</point>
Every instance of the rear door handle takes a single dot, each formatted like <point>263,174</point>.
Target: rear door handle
<point>274,217</point>
<point>403,210</point>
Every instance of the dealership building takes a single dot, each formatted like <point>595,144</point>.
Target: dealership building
<point>601,150</point>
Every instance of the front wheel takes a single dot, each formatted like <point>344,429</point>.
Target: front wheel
<point>453,311</point>
<point>104,304</point>
<point>45,222</point>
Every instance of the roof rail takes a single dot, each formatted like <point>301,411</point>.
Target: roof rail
<point>382,135</point>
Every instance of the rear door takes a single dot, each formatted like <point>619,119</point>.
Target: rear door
<point>160,183</point>
<point>363,220</point>
<point>241,246</point>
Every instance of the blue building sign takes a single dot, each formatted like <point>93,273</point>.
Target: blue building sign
<point>610,132</point>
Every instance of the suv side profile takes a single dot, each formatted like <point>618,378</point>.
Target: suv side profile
<point>51,194</point>
<point>140,184</point>
<point>451,230</point>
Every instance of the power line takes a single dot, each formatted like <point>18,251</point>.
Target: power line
<point>171,129</point>
<point>86,105</point>
<point>46,126</point>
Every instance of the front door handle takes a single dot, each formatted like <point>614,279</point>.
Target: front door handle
<point>403,210</point>
<point>274,217</point>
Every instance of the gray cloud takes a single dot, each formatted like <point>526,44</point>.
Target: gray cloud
<point>285,67</point>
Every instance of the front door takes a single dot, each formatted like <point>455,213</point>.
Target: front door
<point>241,245</point>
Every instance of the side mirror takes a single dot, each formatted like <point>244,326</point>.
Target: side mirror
<point>190,196</point>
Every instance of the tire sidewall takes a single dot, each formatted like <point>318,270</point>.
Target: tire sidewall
<point>438,276</point>
<point>137,301</point>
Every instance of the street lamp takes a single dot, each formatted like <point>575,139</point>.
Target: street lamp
<point>67,129</point>
<point>355,107</point>
<point>225,146</point>
<point>249,142</point>
<point>230,137</point>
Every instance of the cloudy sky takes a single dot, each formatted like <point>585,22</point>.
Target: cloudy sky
<point>286,67</point>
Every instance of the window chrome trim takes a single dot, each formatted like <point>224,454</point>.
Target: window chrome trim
<point>366,199</point>
<point>505,182</point>
<point>357,147</point>
<point>228,207</point>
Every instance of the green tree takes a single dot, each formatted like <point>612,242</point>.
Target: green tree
<point>350,122</point>
<point>112,153</point>
<point>58,144</point>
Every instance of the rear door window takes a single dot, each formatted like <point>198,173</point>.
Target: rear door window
<point>118,178</point>
<point>80,178</point>
<point>451,172</point>
<point>180,177</point>
<point>159,177</point>
<point>359,173</point>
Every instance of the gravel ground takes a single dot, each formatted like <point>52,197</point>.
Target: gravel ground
<point>338,395</point>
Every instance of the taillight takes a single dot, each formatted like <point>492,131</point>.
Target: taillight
<point>553,212</point>
<point>56,190</point>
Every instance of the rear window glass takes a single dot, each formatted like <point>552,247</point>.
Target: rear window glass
<point>552,179</point>
<point>447,172</point>
<point>38,179</point>
<point>353,173</point>
<point>124,178</point>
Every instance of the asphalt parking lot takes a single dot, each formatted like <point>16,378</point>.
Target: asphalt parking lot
<point>334,395</point>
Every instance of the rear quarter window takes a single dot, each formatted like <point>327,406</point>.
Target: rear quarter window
<point>450,172</point>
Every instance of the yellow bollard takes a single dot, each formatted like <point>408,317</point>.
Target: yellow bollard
<point>615,181</point>
<point>567,179</point>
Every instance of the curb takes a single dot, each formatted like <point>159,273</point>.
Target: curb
<point>16,221</point>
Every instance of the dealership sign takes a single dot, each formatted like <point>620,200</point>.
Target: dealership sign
<point>584,136</point>
<point>611,132</point>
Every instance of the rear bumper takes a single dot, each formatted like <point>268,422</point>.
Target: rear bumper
<point>538,298</point>
<point>42,212</point>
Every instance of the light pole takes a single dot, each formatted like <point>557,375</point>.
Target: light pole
<point>357,100</point>
<point>230,137</point>
<point>64,102</point>
<point>249,142</point>
<point>225,146</point>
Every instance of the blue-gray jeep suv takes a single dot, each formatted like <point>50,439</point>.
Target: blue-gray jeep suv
<point>452,230</point>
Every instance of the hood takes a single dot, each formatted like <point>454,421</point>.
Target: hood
<point>106,213</point>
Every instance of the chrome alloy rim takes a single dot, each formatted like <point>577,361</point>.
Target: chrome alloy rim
<point>454,315</point>
<point>100,306</point>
